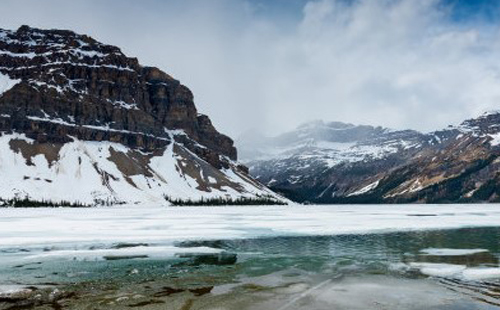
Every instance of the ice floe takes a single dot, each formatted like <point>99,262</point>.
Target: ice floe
<point>451,252</point>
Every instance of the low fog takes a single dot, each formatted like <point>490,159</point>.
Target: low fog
<point>271,65</point>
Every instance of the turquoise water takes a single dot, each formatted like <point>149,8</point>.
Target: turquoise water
<point>386,271</point>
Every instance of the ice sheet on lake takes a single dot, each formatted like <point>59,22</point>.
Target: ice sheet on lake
<point>452,252</point>
<point>439,270</point>
<point>481,273</point>
<point>138,252</point>
<point>36,230</point>
<point>457,271</point>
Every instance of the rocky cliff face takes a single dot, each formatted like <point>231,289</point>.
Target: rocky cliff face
<point>458,164</point>
<point>67,79</point>
<point>59,88</point>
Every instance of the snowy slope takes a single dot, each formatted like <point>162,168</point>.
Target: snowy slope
<point>103,172</point>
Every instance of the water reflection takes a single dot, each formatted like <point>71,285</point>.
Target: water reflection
<point>406,270</point>
<point>375,251</point>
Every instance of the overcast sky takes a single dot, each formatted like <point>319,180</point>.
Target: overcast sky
<point>420,64</point>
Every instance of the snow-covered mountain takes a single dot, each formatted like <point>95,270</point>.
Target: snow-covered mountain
<point>343,163</point>
<point>329,144</point>
<point>82,122</point>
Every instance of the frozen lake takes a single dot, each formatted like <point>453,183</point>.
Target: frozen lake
<point>74,229</point>
<point>270,257</point>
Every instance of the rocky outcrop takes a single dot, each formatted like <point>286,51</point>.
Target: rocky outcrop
<point>70,85</point>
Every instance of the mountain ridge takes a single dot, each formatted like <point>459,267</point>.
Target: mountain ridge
<point>455,164</point>
<point>70,106</point>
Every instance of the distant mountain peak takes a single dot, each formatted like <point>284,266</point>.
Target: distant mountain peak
<point>487,123</point>
<point>366,164</point>
<point>490,112</point>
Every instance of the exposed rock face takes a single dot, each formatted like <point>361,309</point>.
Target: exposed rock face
<point>72,85</point>
<point>458,164</point>
<point>61,91</point>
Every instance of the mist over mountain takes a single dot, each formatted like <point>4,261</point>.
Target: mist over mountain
<point>334,162</point>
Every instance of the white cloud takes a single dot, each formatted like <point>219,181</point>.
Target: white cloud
<point>398,63</point>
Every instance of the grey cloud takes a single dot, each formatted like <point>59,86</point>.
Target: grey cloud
<point>401,64</point>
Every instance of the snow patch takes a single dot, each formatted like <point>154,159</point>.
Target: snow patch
<point>365,189</point>
<point>22,55</point>
<point>125,105</point>
<point>6,83</point>
<point>495,139</point>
